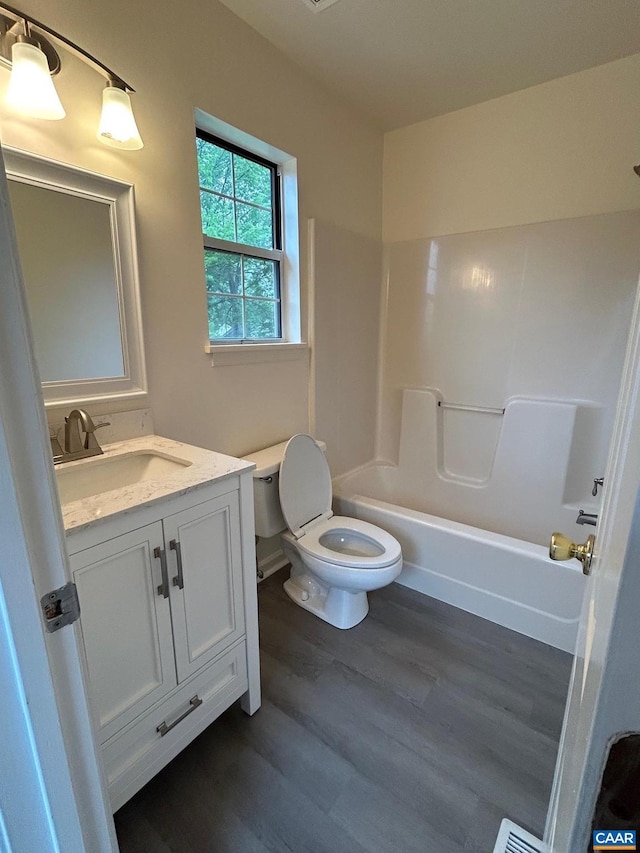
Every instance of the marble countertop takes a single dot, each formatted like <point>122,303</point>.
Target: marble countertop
<point>205,467</point>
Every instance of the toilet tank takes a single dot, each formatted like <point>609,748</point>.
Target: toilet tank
<point>266,496</point>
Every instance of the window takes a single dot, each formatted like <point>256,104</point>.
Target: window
<point>240,203</point>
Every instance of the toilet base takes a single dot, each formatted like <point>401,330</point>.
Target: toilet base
<point>338,607</point>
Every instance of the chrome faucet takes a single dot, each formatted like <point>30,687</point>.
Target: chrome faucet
<point>74,446</point>
<point>586,518</point>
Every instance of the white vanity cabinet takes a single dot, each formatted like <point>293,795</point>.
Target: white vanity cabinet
<point>168,622</point>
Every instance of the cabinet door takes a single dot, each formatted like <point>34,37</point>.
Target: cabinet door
<point>203,549</point>
<point>126,626</point>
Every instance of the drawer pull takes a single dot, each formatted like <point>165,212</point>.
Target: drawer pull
<point>161,554</point>
<point>179,578</point>
<point>194,703</point>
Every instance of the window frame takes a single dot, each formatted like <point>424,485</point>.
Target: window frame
<point>293,346</point>
<point>244,250</point>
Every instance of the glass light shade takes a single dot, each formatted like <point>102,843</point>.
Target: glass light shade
<point>117,125</point>
<point>31,90</point>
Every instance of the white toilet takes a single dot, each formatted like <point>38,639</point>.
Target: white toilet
<point>334,560</point>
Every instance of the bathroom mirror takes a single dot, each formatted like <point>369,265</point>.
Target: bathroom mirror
<point>76,239</point>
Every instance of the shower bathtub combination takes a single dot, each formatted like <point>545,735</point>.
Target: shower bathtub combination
<point>481,542</point>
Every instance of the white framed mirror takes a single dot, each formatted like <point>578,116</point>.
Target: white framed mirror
<point>76,237</point>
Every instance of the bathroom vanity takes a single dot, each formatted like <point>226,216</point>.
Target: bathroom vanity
<point>160,537</point>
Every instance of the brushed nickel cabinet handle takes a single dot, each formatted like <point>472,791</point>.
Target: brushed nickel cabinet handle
<point>194,703</point>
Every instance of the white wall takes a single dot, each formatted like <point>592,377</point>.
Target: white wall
<point>554,151</point>
<point>200,55</point>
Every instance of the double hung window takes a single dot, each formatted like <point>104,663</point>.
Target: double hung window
<point>240,203</point>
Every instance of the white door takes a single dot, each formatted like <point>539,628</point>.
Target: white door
<point>52,797</point>
<point>601,698</point>
<point>205,570</point>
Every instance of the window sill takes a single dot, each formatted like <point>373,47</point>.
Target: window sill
<point>224,355</point>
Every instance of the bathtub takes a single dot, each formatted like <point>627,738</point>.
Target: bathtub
<point>503,579</point>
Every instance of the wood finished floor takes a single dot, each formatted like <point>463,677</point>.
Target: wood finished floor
<point>418,730</point>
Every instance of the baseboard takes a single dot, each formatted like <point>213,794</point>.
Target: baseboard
<point>271,564</point>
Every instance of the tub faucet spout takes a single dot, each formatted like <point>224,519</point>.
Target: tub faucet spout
<point>586,518</point>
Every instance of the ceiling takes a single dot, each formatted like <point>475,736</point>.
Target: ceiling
<point>403,61</point>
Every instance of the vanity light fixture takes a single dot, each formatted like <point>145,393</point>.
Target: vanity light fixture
<point>31,90</point>
<point>117,125</point>
<point>26,49</point>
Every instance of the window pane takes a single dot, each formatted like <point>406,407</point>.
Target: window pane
<point>261,319</point>
<point>217,216</point>
<point>253,181</point>
<point>260,278</point>
<point>225,317</point>
<point>222,270</point>
<point>254,226</point>
<point>214,167</point>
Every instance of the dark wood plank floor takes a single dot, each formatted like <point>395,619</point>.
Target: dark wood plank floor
<point>418,730</point>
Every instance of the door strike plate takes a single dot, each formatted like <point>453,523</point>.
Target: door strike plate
<point>60,607</point>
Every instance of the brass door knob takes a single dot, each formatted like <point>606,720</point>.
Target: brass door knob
<point>563,548</point>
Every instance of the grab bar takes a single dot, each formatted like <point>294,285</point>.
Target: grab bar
<point>461,407</point>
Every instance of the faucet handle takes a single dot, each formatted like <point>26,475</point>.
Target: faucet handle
<point>56,448</point>
<point>599,481</point>
<point>90,441</point>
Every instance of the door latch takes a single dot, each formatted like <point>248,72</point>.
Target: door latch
<point>60,607</point>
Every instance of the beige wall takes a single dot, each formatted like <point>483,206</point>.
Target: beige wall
<point>559,150</point>
<point>178,59</point>
<point>346,286</point>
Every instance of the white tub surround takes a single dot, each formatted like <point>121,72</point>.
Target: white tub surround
<point>535,313</point>
<point>521,473</point>
<point>163,560</point>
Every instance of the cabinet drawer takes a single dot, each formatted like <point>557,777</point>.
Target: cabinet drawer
<point>137,753</point>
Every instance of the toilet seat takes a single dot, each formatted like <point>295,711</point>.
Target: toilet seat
<point>305,484</point>
<point>305,498</point>
<point>368,534</point>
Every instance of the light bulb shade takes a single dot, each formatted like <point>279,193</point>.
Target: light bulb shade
<point>31,90</point>
<point>117,125</point>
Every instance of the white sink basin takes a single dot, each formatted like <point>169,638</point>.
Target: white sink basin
<point>100,474</point>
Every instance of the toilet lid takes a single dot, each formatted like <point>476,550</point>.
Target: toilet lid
<point>305,483</point>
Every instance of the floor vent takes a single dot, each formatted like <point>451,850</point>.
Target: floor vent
<point>319,5</point>
<point>512,839</point>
